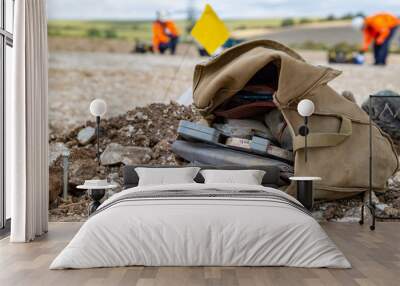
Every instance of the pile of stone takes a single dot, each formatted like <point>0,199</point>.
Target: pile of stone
<point>141,136</point>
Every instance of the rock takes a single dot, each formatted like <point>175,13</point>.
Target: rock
<point>347,210</point>
<point>394,182</point>
<point>353,214</point>
<point>332,211</point>
<point>385,113</point>
<point>55,151</point>
<point>381,207</point>
<point>86,135</point>
<point>79,171</point>
<point>127,131</point>
<point>160,148</point>
<point>390,196</point>
<point>128,155</point>
<point>138,116</point>
<point>374,198</point>
<point>349,95</point>
<point>391,212</point>
<point>162,156</point>
<point>396,203</point>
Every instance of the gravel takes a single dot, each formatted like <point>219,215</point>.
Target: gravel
<point>124,81</point>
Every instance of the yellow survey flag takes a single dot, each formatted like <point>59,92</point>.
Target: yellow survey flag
<point>210,31</point>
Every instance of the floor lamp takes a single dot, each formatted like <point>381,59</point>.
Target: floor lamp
<point>305,192</point>
<point>370,204</point>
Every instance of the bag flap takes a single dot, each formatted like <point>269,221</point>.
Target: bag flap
<point>222,77</point>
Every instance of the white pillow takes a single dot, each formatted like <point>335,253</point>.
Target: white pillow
<point>166,176</point>
<point>248,177</point>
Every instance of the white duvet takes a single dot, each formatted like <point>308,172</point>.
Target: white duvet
<point>200,231</point>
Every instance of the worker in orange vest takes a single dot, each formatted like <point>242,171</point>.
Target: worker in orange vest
<point>380,29</point>
<point>165,34</point>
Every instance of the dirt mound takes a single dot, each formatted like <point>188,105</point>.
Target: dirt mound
<point>152,128</point>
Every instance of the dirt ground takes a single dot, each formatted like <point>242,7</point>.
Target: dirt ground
<point>124,81</point>
<point>362,80</point>
<point>128,80</point>
<point>327,33</point>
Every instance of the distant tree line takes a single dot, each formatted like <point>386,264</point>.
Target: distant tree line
<point>347,16</point>
<point>331,17</point>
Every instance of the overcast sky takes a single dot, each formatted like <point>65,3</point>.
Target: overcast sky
<point>145,9</point>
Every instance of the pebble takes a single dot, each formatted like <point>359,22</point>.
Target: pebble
<point>86,135</point>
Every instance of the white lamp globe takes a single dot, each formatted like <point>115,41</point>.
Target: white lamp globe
<point>305,108</point>
<point>98,107</point>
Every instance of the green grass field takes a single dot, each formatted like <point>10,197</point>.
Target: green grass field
<point>131,30</point>
<point>100,29</point>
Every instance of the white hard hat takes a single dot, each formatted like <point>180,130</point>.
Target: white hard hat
<point>357,23</point>
<point>162,15</point>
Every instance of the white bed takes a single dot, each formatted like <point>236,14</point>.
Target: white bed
<point>183,230</point>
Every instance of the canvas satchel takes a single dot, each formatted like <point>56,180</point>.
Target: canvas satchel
<point>339,129</point>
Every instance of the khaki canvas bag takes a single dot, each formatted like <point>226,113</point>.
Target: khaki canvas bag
<point>339,129</point>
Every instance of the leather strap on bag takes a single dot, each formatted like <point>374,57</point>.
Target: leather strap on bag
<point>324,139</point>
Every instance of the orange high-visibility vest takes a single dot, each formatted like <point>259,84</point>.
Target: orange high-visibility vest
<point>162,31</point>
<point>377,27</point>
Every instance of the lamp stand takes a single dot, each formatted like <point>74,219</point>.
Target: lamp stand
<point>303,131</point>
<point>98,139</point>
<point>370,204</point>
<point>305,193</point>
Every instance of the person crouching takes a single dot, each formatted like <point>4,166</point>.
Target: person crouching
<point>165,34</point>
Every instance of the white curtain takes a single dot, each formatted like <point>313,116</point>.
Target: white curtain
<point>27,124</point>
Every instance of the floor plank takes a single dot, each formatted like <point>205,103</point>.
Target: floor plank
<point>375,257</point>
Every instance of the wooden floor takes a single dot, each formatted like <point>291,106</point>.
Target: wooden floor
<point>375,257</point>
